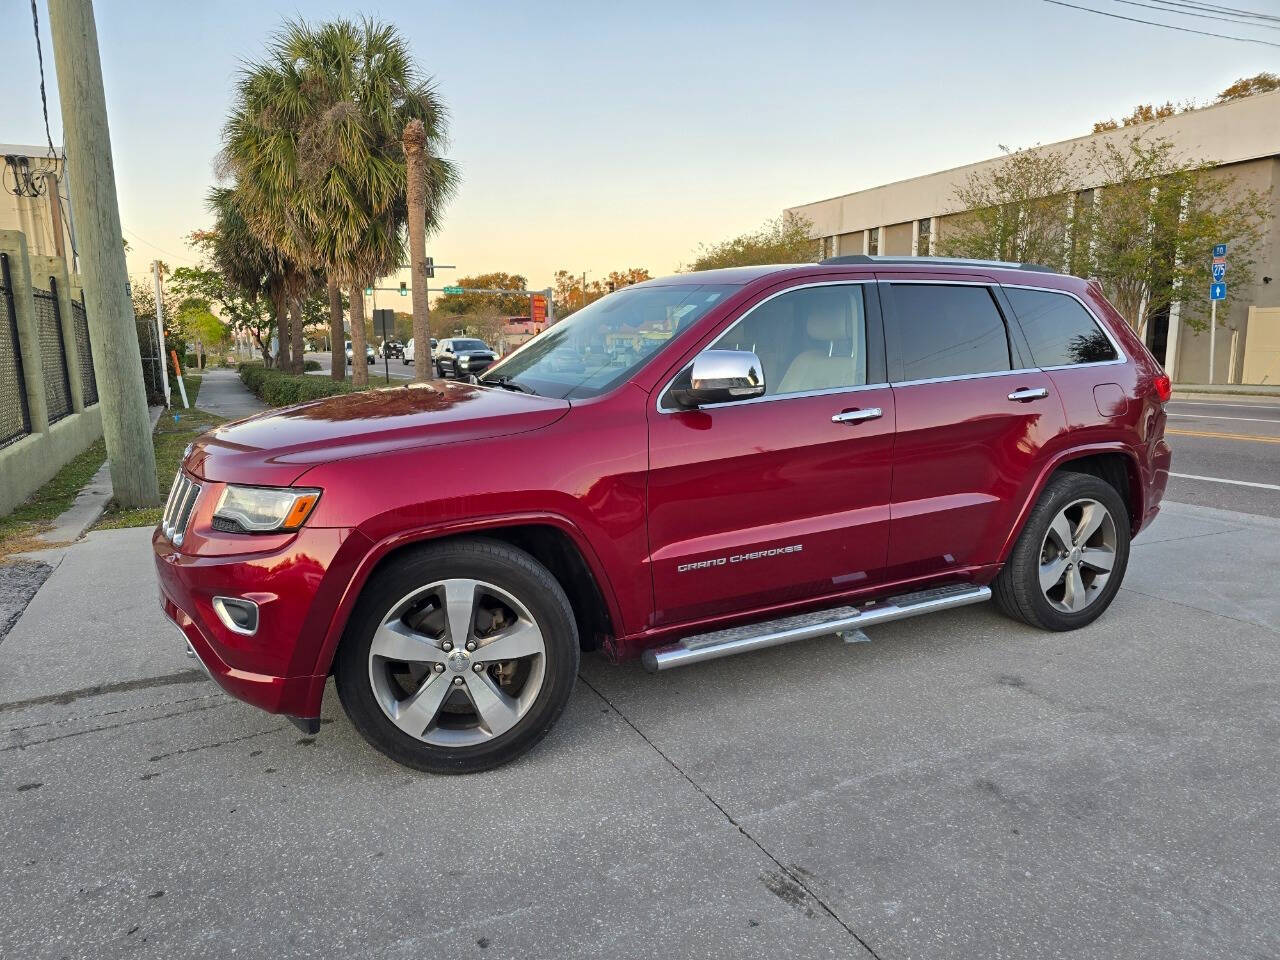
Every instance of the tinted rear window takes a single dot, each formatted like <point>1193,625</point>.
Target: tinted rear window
<point>948,330</point>
<point>1059,330</point>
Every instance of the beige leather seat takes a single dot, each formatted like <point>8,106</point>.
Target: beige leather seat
<point>838,363</point>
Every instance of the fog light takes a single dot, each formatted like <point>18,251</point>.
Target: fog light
<point>237,615</point>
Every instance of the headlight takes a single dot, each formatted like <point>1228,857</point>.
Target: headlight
<point>265,509</point>
<point>464,361</point>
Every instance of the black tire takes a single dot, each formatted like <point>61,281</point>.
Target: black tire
<point>502,565</point>
<point>1016,589</point>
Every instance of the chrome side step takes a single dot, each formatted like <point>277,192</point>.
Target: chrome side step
<point>772,633</point>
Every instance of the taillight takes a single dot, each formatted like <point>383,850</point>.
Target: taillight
<point>1163,387</point>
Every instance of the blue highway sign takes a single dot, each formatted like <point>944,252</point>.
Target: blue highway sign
<point>1219,250</point>
<point>1217,291</point>
<point>1219,272</point>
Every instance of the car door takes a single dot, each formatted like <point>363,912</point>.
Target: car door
<point>973,418</point>
<point>784,497</point>
<point>445,359</point>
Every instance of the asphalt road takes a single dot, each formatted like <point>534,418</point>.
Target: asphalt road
<point>395,366</point>
<point>960,787</point>
<point>1226,453</point>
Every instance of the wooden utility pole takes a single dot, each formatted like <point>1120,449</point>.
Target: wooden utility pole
<point>116,361</point>
<point>415,140</point>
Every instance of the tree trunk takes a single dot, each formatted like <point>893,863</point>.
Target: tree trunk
<point>284,358</point>
<point>359,363</point>
<point>338,358</point>
<point>415,139</point>
<point>295,336</point>
<point>338,363</point>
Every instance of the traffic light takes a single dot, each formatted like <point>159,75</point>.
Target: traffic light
<point>368,291</point>
<point>404,289</point>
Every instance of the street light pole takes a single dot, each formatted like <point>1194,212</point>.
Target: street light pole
<point>126,425</point>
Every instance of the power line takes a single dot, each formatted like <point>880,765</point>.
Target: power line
<point>44,101</point>
<point>1199,14</point>
<point>1167,26</point>
<point>147,243</point>
<point>1218,8</point>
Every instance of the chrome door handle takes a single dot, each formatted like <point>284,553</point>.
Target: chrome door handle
<point>857,416</point>
<point>1029,393</point>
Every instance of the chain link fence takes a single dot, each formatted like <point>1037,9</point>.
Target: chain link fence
<point>53,354</point>
<point>15,416</point>
<point>80,324</point>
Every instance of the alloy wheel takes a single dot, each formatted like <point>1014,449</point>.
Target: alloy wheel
<point>1077,556</point>
<point>457,662</point>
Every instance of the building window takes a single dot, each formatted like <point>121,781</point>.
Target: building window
<point>873,241</point>
<point>925,245</point>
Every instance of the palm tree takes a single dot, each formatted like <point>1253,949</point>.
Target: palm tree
<point>265,170</point>
<point>362,88</point>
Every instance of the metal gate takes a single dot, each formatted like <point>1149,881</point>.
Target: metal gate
<point>152,362</point>
<point>53,352</point>
<point>15,415</point>
<point>80,324</point>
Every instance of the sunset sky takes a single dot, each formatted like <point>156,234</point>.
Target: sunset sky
<point>602,136</point>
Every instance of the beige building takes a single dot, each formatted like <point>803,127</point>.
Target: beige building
<point>1242,138</point>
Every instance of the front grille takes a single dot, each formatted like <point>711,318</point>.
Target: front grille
<point>177,509</point>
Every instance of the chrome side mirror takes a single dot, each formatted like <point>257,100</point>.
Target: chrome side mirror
<point>721,376</point>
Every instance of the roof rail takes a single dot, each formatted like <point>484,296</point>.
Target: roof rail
<point>935,261</point>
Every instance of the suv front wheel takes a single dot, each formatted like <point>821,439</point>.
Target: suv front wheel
<point>459,657</point>
<point>1070,558</point>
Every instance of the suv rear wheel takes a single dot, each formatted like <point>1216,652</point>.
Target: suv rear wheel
<point>459,658</point>
<point>1070,558</point>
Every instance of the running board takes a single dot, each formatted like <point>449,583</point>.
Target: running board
<point>773,633</point>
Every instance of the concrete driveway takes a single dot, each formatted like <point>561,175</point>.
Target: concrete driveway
<point>960,787</point>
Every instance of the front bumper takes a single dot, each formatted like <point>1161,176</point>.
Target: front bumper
<point>276,668</point>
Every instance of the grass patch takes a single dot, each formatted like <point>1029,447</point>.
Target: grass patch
<point>171,437</point>
<point>18,530</point>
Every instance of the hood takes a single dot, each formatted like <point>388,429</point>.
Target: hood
<point>275,448</point>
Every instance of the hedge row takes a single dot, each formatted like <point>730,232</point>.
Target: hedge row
<point>281,389</point>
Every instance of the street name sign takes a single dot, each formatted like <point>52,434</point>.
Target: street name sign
<point>453,289</point>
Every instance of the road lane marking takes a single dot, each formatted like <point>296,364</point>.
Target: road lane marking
<point>1238,483</point>
<point>1223,436</point>
<point>1207,416</point>
<point>1225,403</point>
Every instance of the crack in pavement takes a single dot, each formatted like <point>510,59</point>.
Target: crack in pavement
<point>790,874</point>
<point>109,726</point>
<point>109,713</point>
<point>71,696</point>
<point>1192,606</point>
<point>216,743</point>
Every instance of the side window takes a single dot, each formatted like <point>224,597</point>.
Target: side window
<point>948,330</point>
<point>1059,331</point>
<point>813,338</point>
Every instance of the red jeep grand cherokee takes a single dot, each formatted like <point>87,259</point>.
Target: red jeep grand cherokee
<point>691,467</point>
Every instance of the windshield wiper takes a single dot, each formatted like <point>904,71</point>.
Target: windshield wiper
<point>508,384</point>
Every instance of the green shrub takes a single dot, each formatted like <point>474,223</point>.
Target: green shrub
<point>284,389</point>
<point>311,365</point>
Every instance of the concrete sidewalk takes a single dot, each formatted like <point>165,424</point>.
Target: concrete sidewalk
<point>223,394</point>
<point>961,786</point>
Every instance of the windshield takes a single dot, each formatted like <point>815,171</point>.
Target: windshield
<point>469,345</point>
<point>605,342</point>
